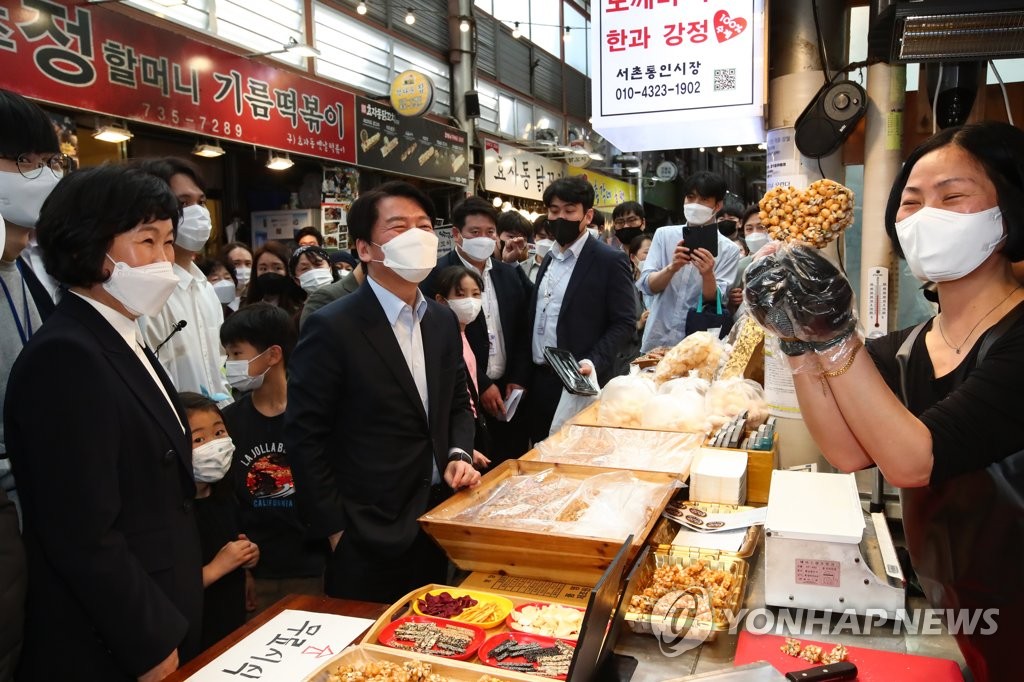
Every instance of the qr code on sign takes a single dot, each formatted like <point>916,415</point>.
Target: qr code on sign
<point>725,79</point>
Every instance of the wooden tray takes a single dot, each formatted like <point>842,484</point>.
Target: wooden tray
<point>526,553</point>
<point>666,529</point>
<point>648,624</point>
<point>403,608</point>
<point>456,671</point>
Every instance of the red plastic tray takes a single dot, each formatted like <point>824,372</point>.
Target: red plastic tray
<point>387,635</point>
<point>513,625</point>
<point>521,637</point>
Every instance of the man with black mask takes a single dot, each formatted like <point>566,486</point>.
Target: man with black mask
<point>583,301</point>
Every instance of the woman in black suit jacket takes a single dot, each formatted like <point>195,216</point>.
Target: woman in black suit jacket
<point>98,443</point>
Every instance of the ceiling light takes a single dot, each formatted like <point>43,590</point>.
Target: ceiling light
<point>361,8</point>
<point>565,36</point>
<point>594,156</point>
<point>276,162</point>
<point>113,133</point>
<point>516,33</point>
<point>209,151</point>
<point>496,202</point>
<point>410,18</point>
<point>464,25</point>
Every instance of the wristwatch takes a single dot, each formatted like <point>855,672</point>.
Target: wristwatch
<point>457,454</point>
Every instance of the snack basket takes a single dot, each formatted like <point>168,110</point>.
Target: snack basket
<point>644,578</point>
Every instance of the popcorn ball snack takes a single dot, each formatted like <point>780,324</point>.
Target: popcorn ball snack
<point>814,216</point>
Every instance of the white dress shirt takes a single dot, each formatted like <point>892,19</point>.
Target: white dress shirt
<point>405,323</point>
<point>495,336</point>
<point>666,324</point>
<point>193,357</point>
<point>550,292</point>
<point>128,330</point>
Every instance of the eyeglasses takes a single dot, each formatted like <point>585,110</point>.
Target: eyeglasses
<point>631,221</point>
<point>31,169</point>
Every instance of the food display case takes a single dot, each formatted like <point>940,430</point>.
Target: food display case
<point>480,532</point>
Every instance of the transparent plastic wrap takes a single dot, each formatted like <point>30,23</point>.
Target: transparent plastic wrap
<point>622,449</point>
<point>610,505</point>
<point>701,352</point>
<point>731,397</point>
<point>797,294</point>
<point>623,401</point>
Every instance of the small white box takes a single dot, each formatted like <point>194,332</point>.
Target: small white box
<point>719,476</point>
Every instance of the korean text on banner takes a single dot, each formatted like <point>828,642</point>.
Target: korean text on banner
<point>675,73</point>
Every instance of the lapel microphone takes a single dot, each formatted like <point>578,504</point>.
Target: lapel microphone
<point>175,328</point>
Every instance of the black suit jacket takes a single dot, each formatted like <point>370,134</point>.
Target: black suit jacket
<point>104,473</point>
<point>513,289</point>
<point>360,446</point>
<point>598,313</point>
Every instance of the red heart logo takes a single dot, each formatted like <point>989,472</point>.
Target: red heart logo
<point>726,27</point>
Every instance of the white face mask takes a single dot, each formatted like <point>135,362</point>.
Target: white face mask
<point>479,248</point>
<point>211,461</point>
<point>21,198</point>
<point>466,309</point>
<point>225,290</point>
<point>237,374</point>
<point>755,241</point>
<point>143,290</point>
<point>543,246</point>
<point>194,228</point>
<point>411,255</point>
<point>311,280</point>
<point>697,214</point>
<point>243,273</point>
<point>941,245</point>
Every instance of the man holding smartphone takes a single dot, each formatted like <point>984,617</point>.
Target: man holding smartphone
<point>677,274</point>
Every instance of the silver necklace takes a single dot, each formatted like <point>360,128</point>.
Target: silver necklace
<point>971,333</point>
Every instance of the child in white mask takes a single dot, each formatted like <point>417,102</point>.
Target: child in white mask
<point>226,552</point>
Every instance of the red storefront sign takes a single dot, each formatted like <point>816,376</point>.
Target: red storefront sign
<point>96,59</point>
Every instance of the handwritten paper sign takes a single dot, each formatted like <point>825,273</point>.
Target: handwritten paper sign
<point>289,647</point>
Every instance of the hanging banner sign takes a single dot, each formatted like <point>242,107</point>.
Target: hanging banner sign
<point>410,146</point>
<point>105,62</point>
<point>674,74</point>
<point>608,192</point>
<point>516,172</point>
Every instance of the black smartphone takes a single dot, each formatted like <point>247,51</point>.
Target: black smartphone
<point>701,237</point>
<point>568,370</point>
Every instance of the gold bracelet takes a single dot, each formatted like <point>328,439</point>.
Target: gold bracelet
<point>845,368</point>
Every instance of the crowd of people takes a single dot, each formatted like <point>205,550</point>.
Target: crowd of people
<point>219,432</point>
<point>188,439</point>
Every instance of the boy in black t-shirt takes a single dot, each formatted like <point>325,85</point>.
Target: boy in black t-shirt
<point>226,552</point>
<point>258,339</point>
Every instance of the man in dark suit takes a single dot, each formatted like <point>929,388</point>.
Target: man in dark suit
<point>378,427</point>
<point>583,301</point>
<point>498,336</point>
<point>103,461</point>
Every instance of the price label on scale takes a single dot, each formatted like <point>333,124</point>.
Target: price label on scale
<point>877,323</point>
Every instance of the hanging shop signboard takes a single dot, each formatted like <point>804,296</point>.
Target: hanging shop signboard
<point>516,172</point>
<point>608,192</point>
<point>410,146</point>
<point>105,62</point>
<point>672,74</point>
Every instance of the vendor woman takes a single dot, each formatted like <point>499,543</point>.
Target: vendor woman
<point>936,408</point>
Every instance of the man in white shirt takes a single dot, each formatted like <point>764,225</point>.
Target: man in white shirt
<point>192,354</point>
<point>675,276</point>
